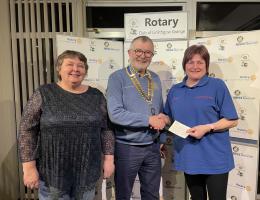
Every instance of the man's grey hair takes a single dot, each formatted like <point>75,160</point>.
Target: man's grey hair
<point>143,38</point>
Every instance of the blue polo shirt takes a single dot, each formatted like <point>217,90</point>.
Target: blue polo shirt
<point>206,102</point>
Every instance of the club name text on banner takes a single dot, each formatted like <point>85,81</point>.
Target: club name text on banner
<point>156,25</point>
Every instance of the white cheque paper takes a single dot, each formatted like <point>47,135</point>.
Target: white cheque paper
<point>179,129</point>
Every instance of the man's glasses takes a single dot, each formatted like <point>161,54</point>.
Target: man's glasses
<point>140,52</point>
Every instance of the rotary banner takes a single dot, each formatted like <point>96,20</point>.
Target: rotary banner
<point>157,25</point>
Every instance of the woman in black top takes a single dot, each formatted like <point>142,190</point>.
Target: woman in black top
<point>63,132</point>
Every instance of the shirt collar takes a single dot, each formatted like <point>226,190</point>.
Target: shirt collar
<point>203,81</point>
<point>146,74</point>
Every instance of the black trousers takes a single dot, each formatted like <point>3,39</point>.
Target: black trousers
<point>142,160</point>
<point>215,185</point>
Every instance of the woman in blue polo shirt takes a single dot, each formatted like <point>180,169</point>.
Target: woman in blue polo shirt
<point>204,104</point>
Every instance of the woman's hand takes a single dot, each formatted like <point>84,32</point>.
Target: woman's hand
<point>199,131</point>
<point>108,166</point>
<point>30,175</point>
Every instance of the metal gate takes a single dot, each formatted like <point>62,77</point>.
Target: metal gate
<point>34,25</point>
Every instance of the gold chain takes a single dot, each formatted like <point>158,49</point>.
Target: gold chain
<point>147,96</point>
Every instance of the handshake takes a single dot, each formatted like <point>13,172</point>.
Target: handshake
<point>158,122</point>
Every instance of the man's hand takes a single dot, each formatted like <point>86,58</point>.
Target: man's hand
<point>165,118</point>
<point>156,122</point>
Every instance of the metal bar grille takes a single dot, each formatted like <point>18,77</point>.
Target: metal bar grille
<point>34,24</point>
<point>47,42</point>
<point>21,46</point>
<point>39,42</point>
<point>34,46</point>
<point>28,49</point>
<point>53,16</point>
<point>60,17</point>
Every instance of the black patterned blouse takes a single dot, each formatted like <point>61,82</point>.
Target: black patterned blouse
<point>66,133</point>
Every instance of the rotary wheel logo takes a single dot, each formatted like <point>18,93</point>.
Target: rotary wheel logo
<point>233,198</point>
<point>244,64</point>
<point>106,44</point>
<point>240,39</point>
<point>133,23</point>
<point>212,75</point>
<point>244,57</point>
<point>235,149</point>
<point>237,92</point>
<point>169,45</point>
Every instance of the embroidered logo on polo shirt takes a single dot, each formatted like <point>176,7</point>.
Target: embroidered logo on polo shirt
<point>204,97</point>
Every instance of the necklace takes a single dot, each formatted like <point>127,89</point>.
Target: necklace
<point>146,96</point>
